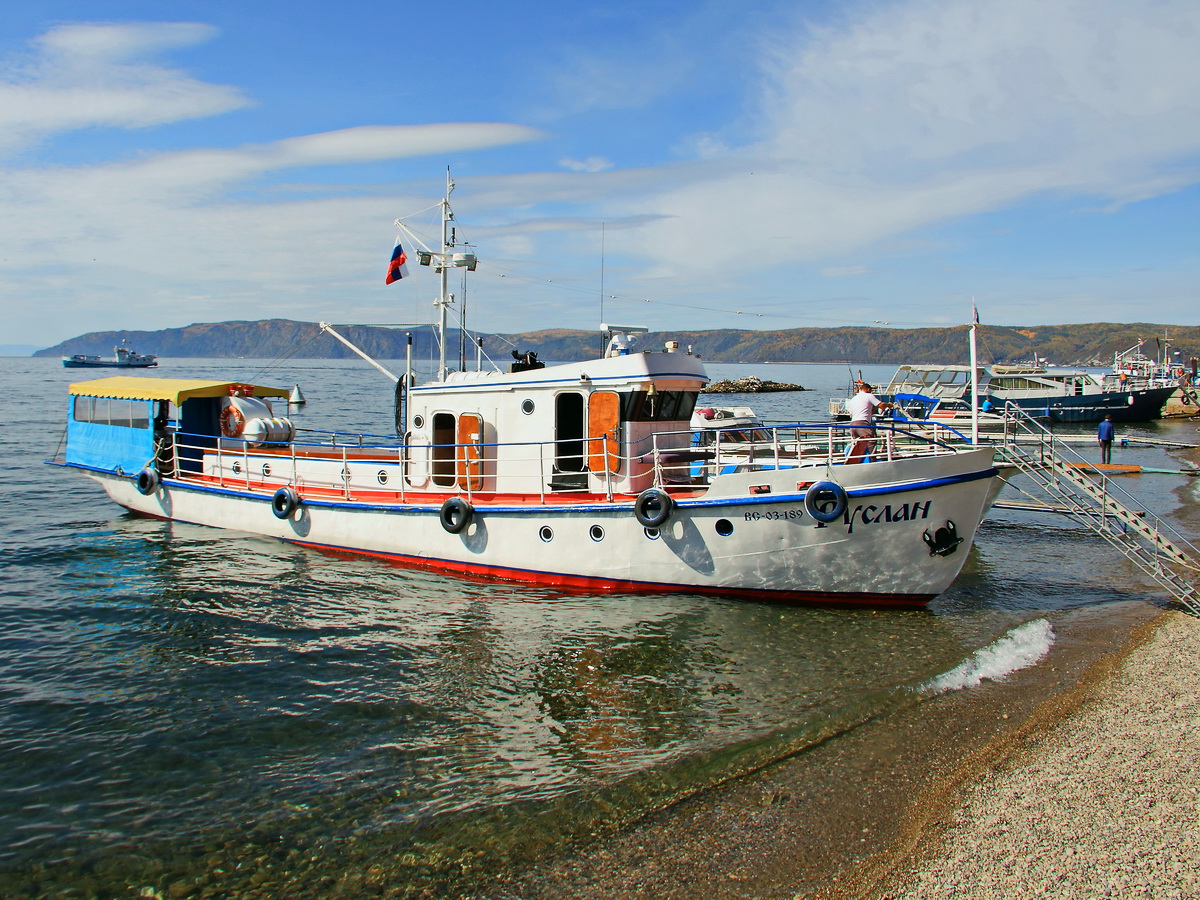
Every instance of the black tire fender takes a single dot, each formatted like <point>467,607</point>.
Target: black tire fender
<point>284,502</point>
<point>653,507</point>
<point>455,514</point>
<point>148,481</point>
<point>826,501</point>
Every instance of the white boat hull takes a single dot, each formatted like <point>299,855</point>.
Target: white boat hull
<point>748,534</point>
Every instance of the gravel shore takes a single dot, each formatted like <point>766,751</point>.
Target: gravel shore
<point>1103,803</point>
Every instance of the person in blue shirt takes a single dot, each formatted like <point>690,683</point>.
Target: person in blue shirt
<point>1104,437</point>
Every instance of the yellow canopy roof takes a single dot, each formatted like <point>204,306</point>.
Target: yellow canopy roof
<point>129,387</point>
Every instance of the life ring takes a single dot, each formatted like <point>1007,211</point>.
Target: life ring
<point>826,501</point>
<point>456,514</point>
<point>148,481</point>
<point>232,421</point>
<point>284,502</point>
<point>653,507</point>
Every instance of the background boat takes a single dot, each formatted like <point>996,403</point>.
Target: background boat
<point>1064,395</point>
<point>122,358</point>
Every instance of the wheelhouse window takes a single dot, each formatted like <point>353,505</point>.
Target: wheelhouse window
<point>110,411</point>
<point>661,406</point>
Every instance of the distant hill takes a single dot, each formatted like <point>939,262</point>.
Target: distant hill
<point>285,339</point>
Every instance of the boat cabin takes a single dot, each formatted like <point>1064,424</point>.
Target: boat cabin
<point>599,427</point>
<point>592,427</point>
<point>124,423</point>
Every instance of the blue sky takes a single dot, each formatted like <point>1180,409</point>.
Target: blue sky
<point>671,164</point>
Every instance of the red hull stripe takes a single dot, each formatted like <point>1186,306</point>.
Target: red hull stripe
<point>587,584</point>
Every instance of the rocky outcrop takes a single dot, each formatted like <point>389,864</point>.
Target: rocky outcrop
<point>750,385</point>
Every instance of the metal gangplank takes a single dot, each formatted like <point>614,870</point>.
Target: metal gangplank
<point>1092,497</point>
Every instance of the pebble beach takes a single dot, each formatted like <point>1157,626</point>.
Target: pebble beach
<point>1103,803</point>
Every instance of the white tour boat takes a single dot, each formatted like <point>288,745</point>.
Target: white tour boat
<point>583,475</point>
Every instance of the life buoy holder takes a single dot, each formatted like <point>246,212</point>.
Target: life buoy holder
<point>455,514</point>
<point>148,481</point>
<point>826,502</point>
<point>653,507</point>
<point>232,421</point>
<point>284,502</point>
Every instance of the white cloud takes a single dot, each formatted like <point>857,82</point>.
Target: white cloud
<point>155,229</point>
<point>88,75</point>
<point>921,112</point>
<point>591,164</point>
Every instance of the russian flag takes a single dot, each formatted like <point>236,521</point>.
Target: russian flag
<point>397,268</point>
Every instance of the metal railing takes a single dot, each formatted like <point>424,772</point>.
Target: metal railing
<point>356,465</point>
<point>1093,498</point>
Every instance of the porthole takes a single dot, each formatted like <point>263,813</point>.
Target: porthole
<point>266,470</point>
<point>237,467</point>
<point>527,407</point>
<point>381,476</point>
<point>546,533</point>
<point>597,533</point>
<point>346,473</point>
<point>651,533</point>
<point>418,421</point>
<point>724,527</point>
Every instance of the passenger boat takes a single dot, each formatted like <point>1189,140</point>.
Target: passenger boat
<point>1165,370</point>
<point>122,358</point>
<point>955,414</point>
<point>580,476</point>
<point>1056,394</point>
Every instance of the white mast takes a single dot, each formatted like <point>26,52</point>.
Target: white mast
<point>444,298</point>
<point>974,376</point>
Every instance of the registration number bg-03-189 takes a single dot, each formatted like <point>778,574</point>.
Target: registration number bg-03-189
<point>774,515</point>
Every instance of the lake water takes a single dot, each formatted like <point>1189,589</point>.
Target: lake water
<point>192,712</point>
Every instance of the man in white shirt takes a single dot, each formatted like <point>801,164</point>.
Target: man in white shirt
<point>862,406</point>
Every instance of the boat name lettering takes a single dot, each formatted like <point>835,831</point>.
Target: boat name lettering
<point>872,515</point>
<point>774,515</point>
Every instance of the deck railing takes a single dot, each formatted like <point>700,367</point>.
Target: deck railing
<point>375,467</point>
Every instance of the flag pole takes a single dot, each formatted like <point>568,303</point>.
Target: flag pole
<point>974,376</point>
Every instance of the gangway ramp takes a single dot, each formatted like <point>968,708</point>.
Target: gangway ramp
<point>1092,497</point>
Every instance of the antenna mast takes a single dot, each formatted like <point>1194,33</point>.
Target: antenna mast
<point>444,298</point>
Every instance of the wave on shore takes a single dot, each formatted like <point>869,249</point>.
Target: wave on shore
<point>1019,648</point>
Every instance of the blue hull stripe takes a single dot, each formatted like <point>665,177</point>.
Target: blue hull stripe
<point>757,500</point>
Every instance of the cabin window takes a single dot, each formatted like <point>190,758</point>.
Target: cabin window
<point>444,434</point>
<point>109,411</point>
<point>568,432</point>
<point>663,406</point>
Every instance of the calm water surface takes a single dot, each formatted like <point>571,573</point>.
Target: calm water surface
<point>210,713</point>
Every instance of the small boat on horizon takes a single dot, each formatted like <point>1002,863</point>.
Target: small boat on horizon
<point>122,358</point>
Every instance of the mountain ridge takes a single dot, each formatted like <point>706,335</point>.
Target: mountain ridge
<point>1093,343</point>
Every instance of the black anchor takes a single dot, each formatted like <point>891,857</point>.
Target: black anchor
<point>944,541</point>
